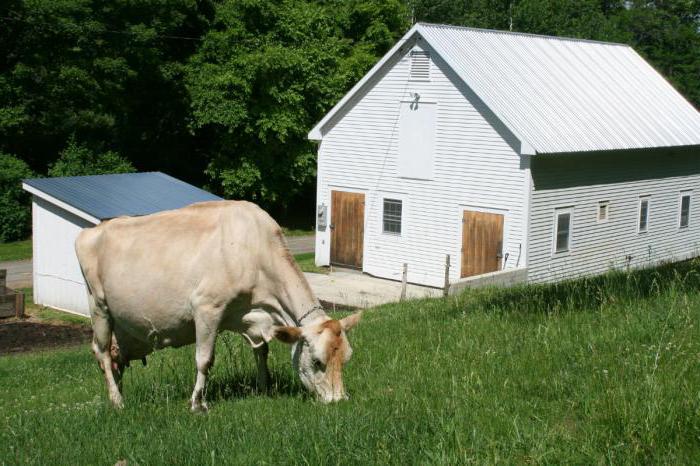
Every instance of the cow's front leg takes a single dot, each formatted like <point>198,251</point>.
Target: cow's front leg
<point>263,378</point>
<point>206,328</point>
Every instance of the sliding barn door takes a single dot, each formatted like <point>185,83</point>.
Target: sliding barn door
<point>347,228</point>
<point>482,242</point>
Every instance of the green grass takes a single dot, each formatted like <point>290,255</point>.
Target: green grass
<point>297,231</point>
<point>590,372</point>
<point>46,314</point>
<point>307,264</point>
<point>18,250</point>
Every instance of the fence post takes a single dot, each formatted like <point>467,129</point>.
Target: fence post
<point>446,288</point>
<point>19,304</point>
<point>403,282</point>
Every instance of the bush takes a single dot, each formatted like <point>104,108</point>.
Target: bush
<point>15,212</point>
<point>78,160</point>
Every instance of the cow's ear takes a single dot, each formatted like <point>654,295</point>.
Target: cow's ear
<point>350,321</point>
<point>288,334</point>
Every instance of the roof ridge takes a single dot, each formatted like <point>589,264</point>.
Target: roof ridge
<point>526,34</point>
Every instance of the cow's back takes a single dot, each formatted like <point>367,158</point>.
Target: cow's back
<point>150,269</point>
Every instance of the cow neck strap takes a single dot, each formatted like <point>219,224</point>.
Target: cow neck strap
<point>317,307</point>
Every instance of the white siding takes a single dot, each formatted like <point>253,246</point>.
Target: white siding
<point>474,167</point>
<point>581,181</point>
<point>58,281</point>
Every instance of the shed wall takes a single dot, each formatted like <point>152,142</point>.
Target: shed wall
<point>582,180</point>
<point>475,167</point>
<point>58,281</point>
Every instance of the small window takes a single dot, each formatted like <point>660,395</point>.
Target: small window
<point>685,210</point>
<point>603,207</point>
<point>643,214</point>
<point>420,65</point>
<point>562,232</point>
<point>392,216</point>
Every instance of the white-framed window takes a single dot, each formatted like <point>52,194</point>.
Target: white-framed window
<point>603,211</point>
<point>643,214</point>
<point>392,216</point>
<point>684,209</point>
<point>420,65</point>
<point>563,218</point>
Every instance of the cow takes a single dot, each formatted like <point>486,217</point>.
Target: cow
<point>181,276</point>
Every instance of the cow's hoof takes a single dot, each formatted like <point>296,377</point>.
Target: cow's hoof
<point>199,408</point>
<point>117,402</point>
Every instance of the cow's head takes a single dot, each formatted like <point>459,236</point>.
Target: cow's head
<point>319,352</point>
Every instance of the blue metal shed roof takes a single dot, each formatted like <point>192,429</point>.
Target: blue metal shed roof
<point>109,196</point>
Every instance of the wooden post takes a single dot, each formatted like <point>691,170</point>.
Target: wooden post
<point>3,280</point>
<point>19,304</point>
<point>403,282</point>
<point>446,288</point>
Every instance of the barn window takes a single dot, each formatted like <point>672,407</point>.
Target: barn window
<point>392,216</point>
<point>420,65</point>
<point>684,220</point>
<point>562,230</point>
<point>643,214</point>
<point>603,207</point>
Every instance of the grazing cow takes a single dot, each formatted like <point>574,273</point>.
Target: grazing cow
<point>181,276</point>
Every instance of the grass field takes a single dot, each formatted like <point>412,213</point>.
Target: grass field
<point>596,371</point>
<point>307,263</point>
<point>15,251</point>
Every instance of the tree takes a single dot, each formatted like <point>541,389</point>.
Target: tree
<point>108,72</point>
<point>265,73</point>
<point>15,211</point>
<point>79,160</point>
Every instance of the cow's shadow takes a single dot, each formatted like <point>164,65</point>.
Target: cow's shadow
<point>243,385</point>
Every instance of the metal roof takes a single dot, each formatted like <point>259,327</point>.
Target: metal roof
<point>559,94</point>
<point>108,196</point>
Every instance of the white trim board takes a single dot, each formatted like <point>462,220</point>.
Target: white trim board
<point>61,204</point>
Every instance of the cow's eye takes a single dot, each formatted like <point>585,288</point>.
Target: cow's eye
<point>318,365</point>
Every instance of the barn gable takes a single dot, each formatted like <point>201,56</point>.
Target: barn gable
<point>556,95</point>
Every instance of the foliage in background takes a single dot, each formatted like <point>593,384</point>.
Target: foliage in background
<point>265,73</point>
<point>223,92</point>
<point>107,72</point>
<point>15,211</point>
<point>78,160</point>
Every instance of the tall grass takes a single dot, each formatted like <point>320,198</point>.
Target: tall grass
<point>603,370</point>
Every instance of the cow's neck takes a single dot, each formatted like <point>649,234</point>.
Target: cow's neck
<point>296,297</point>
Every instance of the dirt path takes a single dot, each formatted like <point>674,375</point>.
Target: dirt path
<point>23,335</point>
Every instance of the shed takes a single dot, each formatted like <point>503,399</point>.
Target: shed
<point>516,155</point>
<point>62,207</point>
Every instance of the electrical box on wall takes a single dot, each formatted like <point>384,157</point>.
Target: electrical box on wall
<point>321,217</point>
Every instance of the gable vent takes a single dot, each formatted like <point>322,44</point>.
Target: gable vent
<point>420,65</point>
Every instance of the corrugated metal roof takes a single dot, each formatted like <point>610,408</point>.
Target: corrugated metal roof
<point>109,196</point>
<point>562,95</point>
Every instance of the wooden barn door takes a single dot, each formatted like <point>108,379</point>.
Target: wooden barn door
<point>347,228</point>
<point>482,242</point>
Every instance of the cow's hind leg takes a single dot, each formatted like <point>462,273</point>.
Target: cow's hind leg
<point>263,378</point>
<point>206,329</point>
<point>102,348</point>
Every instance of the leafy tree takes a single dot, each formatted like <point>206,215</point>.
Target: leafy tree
<point>78,160</point>
<point>266,72</point>
<point>15,211</point>
<point>108,72</point>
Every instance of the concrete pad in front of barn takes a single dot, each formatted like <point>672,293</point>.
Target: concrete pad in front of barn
<point>354,289</point>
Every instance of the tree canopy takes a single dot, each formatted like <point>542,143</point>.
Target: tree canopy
<point>222,93</point>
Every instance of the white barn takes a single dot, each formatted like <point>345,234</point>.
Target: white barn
<point>547,156</point>
<point>62,207</point>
